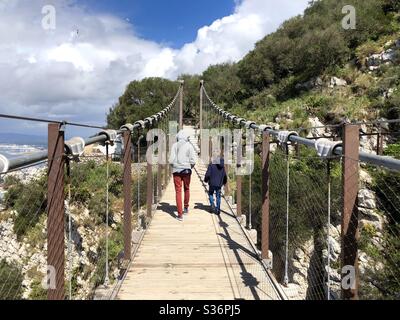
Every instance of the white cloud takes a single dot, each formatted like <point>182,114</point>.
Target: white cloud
<point>80,69</point>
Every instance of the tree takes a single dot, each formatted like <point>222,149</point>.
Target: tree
<point>142,99</point>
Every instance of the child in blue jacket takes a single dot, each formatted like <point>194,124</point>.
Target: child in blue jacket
<point>216,178</point>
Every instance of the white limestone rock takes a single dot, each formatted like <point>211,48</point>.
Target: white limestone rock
<point>366,199</point>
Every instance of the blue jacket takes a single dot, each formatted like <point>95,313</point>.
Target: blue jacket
<point>216,175</point>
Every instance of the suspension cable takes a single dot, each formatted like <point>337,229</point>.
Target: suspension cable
<point>250,199</point>
<point>67,160</point>
<point>286,278</point>
<point>138,174</point>
<point>388,162</point>
<point>107,278</point>
<point>328,230</point>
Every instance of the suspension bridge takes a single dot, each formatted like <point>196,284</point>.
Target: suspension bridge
<point>289,229</point>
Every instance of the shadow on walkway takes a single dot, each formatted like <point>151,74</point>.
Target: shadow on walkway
<point>167,208</point>
<point>202,206</point>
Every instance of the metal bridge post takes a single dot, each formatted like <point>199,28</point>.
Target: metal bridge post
<point>265,197</point>
<point>166,175</point>
<point>349,232</point>
<point>379,142</point>
<point>149,193</point>
<point>201,113</point>
<point>181,106</point>
<point>239,178</point>
<point>159,182</point>
<point>167,148</point>
<point>127,189</point>
<point>55,211</point>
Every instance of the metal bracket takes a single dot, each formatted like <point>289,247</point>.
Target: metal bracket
<point>4,164</point>
<point>239,120</point>
<point>263,128</point>
<point>325,148</point>
<point>283,136</point>
<point>248,124</point>
<point>111,135</point>
<point>75,147</point>
<point>141,124</point>
<point>149,120</point>
<point>128,127</point>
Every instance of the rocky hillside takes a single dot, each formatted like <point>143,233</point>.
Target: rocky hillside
<point>23,231</point>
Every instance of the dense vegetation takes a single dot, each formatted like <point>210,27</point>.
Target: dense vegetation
<point>28,200</point>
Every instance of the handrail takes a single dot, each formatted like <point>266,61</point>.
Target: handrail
<point>388,162</point>
<point>12,163</point>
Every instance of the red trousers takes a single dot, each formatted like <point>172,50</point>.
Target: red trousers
<point>180,179</point>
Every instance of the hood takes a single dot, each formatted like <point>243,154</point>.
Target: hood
<point>182,136</point>
<point>221,163</point>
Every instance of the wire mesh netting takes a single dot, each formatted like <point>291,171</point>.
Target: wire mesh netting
<point>379,236</point>
<point>23,245</point>
<point>94,237</point>
<point>305,223</point>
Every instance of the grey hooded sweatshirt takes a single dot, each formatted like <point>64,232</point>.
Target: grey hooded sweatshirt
<point>182,156</point>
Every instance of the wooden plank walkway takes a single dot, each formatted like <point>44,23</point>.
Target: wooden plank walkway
<point>204,257</point>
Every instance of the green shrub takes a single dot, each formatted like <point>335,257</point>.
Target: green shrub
<point>393,150</point>
<point>367,49</point>
<point>29,202</point>
<point>10,281</point>
<point>38,292</point>
<point>115,247</point>
<point>14,187</point>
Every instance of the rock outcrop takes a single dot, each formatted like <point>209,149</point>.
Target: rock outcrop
<point>374,61</point>
<point>337,82</point>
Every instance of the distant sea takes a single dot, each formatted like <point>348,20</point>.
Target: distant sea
<point>13,150</point>
<point>12,145</point>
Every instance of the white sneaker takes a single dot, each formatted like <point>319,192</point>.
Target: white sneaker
<point>180,219</point>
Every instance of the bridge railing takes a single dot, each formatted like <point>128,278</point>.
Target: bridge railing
<point>69,230</point>
<point>325,212</point>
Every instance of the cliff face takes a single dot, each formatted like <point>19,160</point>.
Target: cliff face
<point>82,255</point>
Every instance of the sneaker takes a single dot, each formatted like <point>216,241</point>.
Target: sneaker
<point>186,211</point>
<point>217,212</point>
<point>212,209</point>
<point>180,219</point>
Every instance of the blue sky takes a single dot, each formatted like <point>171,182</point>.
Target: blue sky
<point>172,22</point>
<point>64,75</point>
